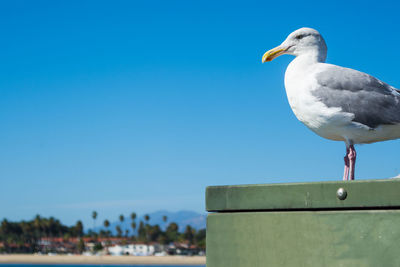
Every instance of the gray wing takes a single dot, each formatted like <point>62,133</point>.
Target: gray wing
<point>372,101</point>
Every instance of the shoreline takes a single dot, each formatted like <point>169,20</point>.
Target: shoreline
<point>103,260</point>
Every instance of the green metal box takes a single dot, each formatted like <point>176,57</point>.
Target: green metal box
<point>351,223</point>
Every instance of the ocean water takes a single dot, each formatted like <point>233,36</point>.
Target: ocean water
<point>91,265</point>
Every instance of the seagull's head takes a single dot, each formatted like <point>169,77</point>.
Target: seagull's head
<point>299,42</point>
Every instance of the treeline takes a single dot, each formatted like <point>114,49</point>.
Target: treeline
<point>26,236</point>
<point>146,232</point>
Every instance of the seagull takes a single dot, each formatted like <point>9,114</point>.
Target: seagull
<point>337,103</point>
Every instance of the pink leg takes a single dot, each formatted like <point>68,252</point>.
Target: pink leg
<point>352,159</point>
<point>346,165</point>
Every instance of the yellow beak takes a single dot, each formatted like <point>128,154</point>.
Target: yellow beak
<point>273,53</point>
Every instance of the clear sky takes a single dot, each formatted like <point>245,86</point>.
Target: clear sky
<point>121,106</point>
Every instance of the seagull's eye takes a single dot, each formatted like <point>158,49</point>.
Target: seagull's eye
<point>298,37</point>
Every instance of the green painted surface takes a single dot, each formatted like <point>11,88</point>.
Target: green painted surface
<point>304,238</point>
<point>321,195</point>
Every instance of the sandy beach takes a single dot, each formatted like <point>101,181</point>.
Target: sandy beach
<point>79,259</point>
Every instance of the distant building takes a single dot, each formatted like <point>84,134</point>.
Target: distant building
<point>181,248</point>
<point>133,249</point>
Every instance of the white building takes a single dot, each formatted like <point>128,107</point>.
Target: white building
<point>132,249</point>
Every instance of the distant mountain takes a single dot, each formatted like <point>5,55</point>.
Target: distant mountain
<point>182,218</point>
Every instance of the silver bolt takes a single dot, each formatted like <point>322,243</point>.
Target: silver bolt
<point>341,194</point>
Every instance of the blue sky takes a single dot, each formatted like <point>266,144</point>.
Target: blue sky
<point>121,106</point>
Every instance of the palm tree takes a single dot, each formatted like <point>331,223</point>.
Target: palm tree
<point>94,216</point>
<point>121,219</point>
<point>147,227</point>
<point>79,229</point>
<point>37,226</point>
<point>133,225</point>
<point>119,231</point>
<point>172,232</point>
<point>141,232</point>
<point>106,225</point>
<point>189,234</point>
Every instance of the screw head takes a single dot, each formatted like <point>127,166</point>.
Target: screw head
<point>341,194</point>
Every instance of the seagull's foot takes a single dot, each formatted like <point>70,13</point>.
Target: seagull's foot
<point>352,160</point>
